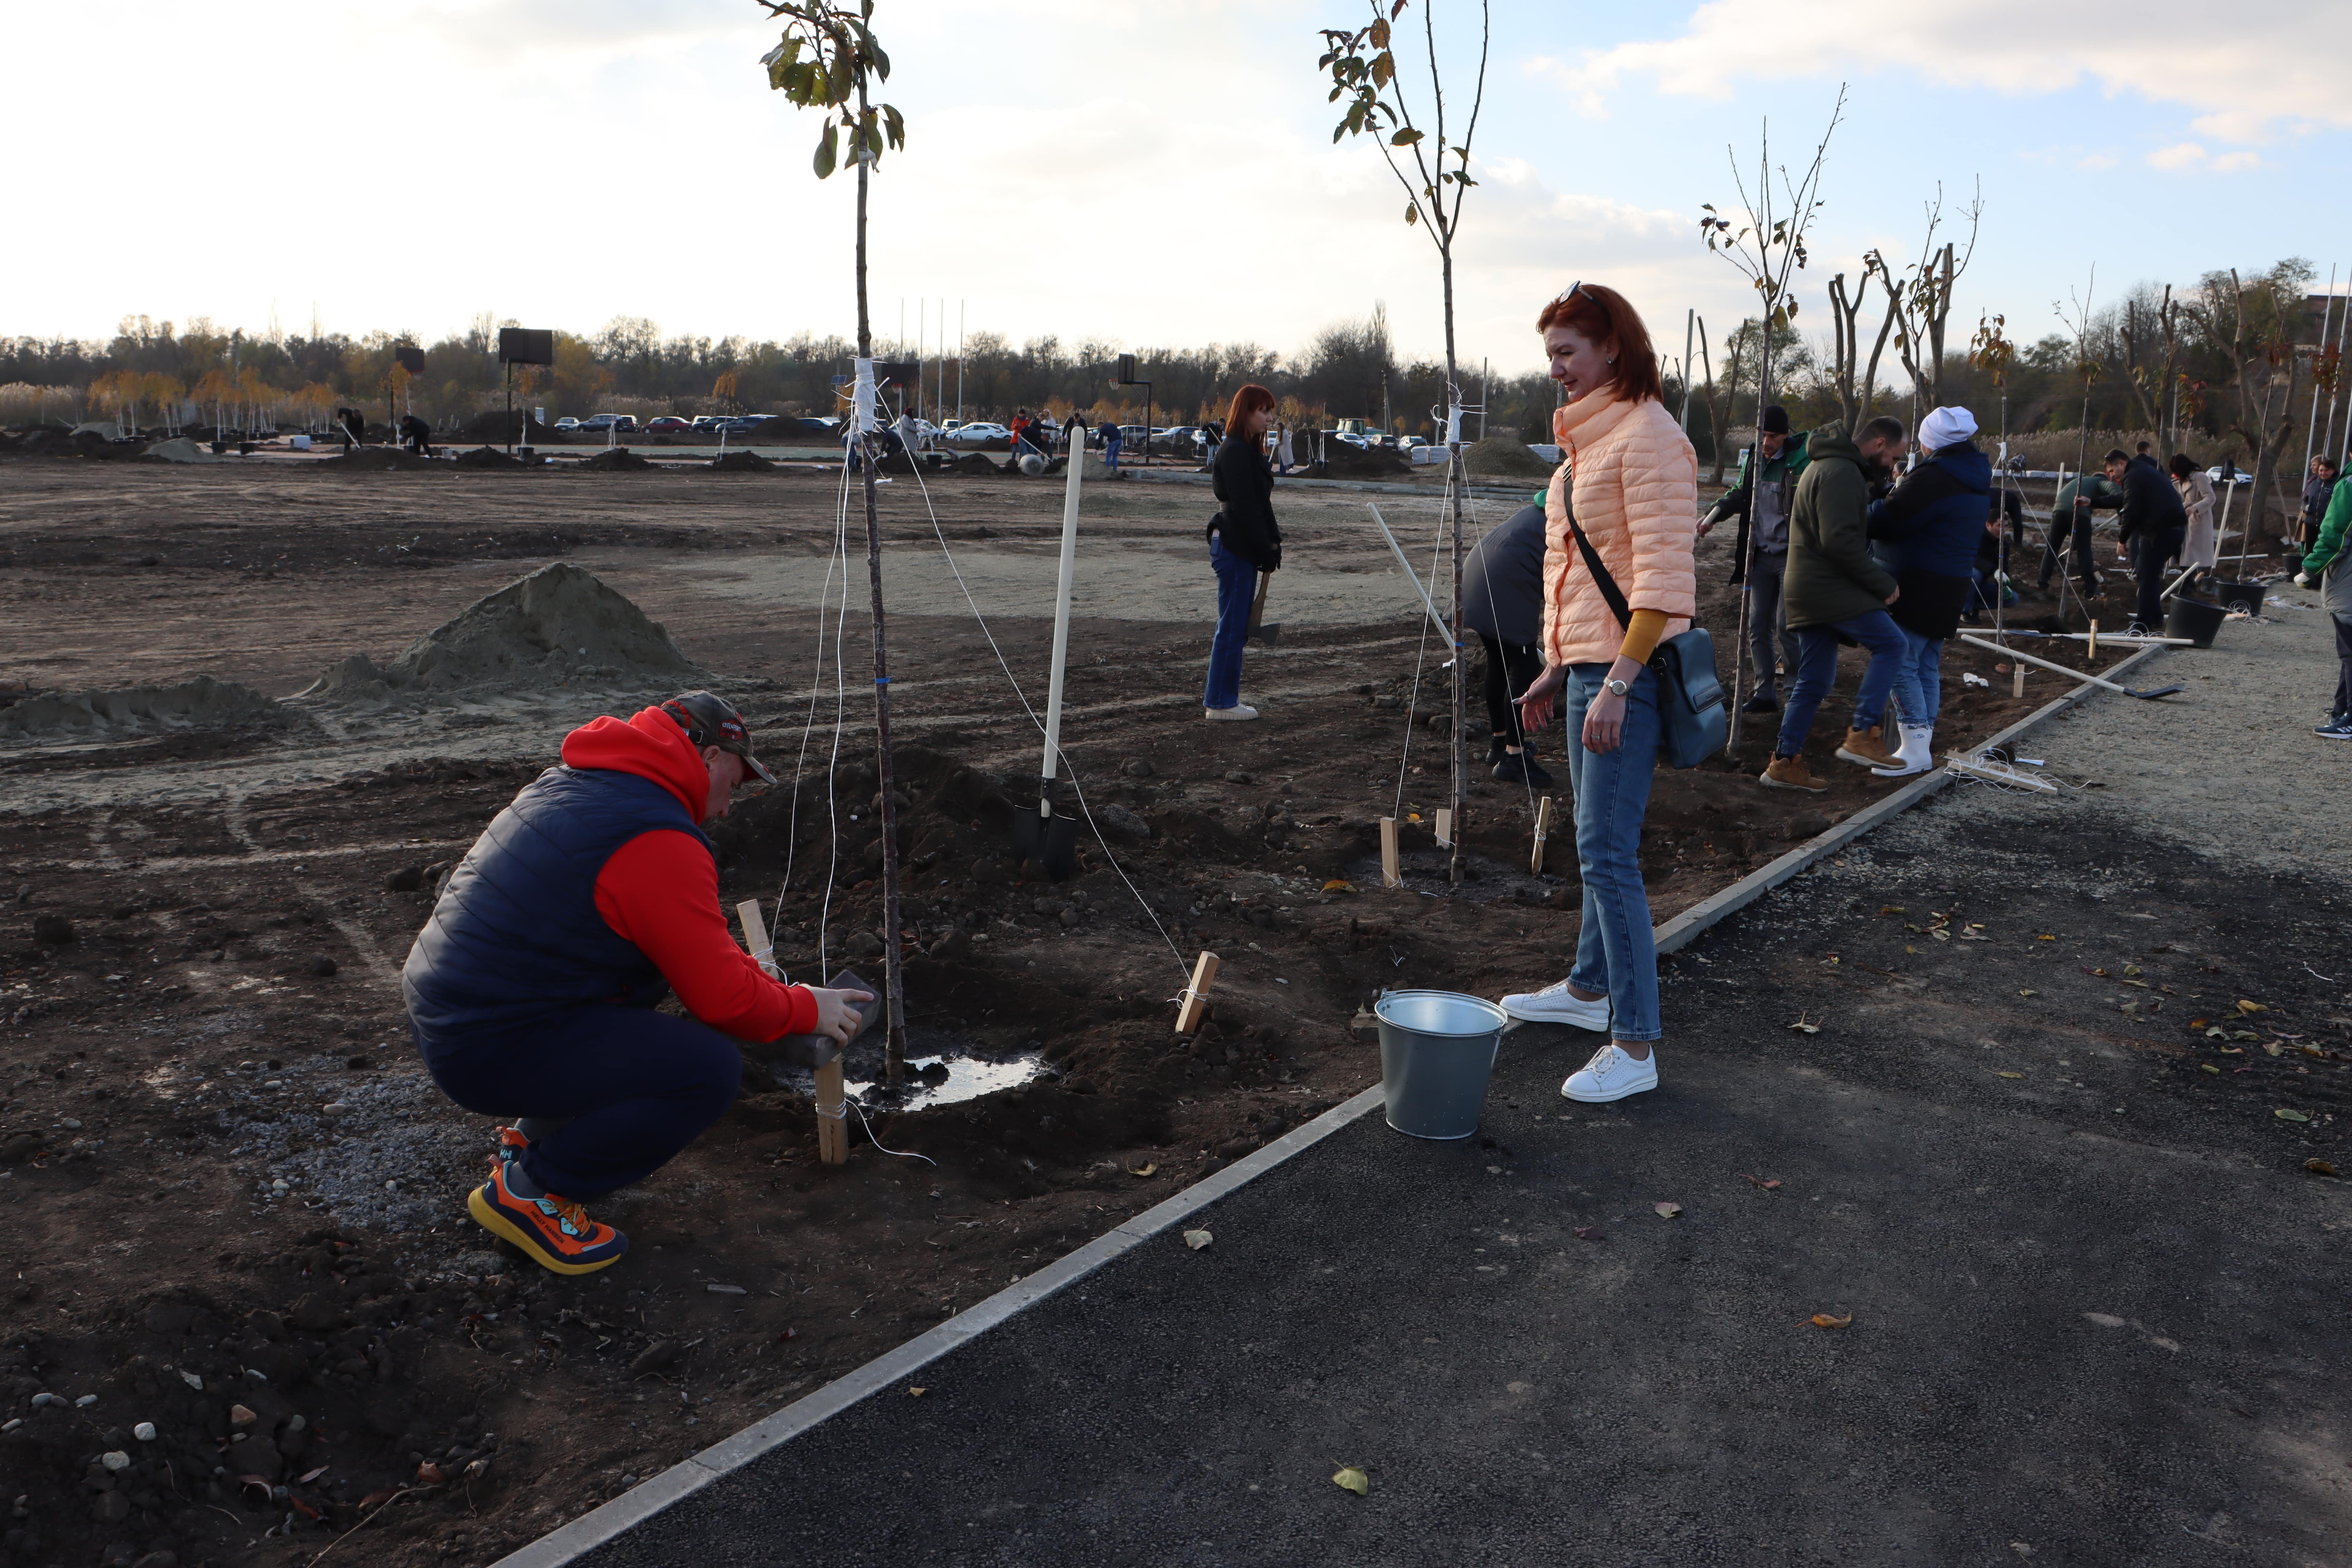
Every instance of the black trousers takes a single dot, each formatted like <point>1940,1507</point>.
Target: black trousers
<point>1511,668</point>
<point>2150,554</point>
<point>2344,663</point>
<point>2085,571</point>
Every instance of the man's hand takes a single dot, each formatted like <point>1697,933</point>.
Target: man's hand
<point>837,1011</point>
<point>1895,595</point>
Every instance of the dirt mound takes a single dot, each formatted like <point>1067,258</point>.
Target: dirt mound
<point>201,704</point>
<point>374,460</point>
<point>487,457</point>
<point>180,449</point>
<point>742,463</point>
<point>48,443</point>
<point>615,461</point>
<point>559,624</point>
<point>1502,455</point>
<point>973,463</point>
<point>1348,462</point>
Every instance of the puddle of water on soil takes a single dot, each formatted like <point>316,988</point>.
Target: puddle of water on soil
<point>966,1077</point>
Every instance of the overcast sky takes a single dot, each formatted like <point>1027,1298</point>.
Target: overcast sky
<point>1147,174</point>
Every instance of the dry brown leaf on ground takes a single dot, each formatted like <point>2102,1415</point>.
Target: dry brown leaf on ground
<point>1760,1181</point>
<point>1145,1170</point>
<point>1352,1479</point>
<point>2245,1006</point>
<point>1668,1210</point>
<point>2319,1167</point>
<point>2283,1114</point>
<point>1823,1321</point>
<point>1802,1026</point>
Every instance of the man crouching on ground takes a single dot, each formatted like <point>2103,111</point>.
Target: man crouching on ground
<point>532,987</point>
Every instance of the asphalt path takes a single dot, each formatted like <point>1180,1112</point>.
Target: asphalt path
<point>2093,1306</point>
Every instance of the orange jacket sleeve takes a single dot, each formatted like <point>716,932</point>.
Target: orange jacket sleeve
<point>660,891</point>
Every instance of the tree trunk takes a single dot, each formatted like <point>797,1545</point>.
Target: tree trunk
<point>1457,479</point>
<point>894,982</point>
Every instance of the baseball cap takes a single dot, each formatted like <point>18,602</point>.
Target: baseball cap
<point>710,719</point>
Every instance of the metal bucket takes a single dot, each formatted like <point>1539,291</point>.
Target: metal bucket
<point>1437,1051</point>
<point>2194,619</point>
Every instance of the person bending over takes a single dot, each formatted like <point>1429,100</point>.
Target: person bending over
<point>532,988</point>
<point>2151,527</point>
<point>1838,589</point>
<point>416,434</point>
<point>1503,602</point>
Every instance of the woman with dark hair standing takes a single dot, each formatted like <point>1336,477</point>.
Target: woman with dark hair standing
<point>1628,481</point>
<point>1243,541</point>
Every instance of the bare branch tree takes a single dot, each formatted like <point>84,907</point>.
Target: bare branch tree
<point>1922,298</point>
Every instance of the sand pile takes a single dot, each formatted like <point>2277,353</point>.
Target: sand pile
<point>487,457</point>
<point>1505,456</point>
<point>615,461</point>
<point>742,463</point>
<point>558,626</point>
<point>201,704</point>
<point>180,449</point>
<point>374,460</point>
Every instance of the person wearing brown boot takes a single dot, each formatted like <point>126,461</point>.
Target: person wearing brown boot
<point>1837,591</point>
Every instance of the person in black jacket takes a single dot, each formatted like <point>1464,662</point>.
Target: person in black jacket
<point>1502,601</point>
<point>2151,525</point>
<point>416,434</point>
<point>1243,541</point>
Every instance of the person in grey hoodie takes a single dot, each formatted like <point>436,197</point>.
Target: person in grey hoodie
<point>1502,601</point>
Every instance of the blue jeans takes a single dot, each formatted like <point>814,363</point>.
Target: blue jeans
<point>1110,454</point>
<point>637,1087</point>
<point>1236,593</point>
<point>1817,672</point>
<point>1616,954</point>
<point>1919,684</point>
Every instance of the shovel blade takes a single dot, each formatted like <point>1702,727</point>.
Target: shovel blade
<point>1266,632</point>
<point>2160,691</point>
<point>1059,853</point>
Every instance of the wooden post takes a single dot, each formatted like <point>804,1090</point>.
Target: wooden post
<point>831,1125</point>
<point>1445,825</point>
<point>2094,646</point>
<point>1389,875</point>
<point>2017,678</point>
<point>1196,994</point>
<point>1543,831</point>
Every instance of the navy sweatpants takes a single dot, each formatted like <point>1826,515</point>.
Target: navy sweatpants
<point>632,1087</point>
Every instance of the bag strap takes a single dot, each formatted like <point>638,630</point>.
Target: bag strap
<point>1593,565</point>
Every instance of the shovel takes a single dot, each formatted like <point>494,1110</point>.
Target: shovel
<point>1258,630</point>
<point>2072,674</point>
<point>1044,838</point>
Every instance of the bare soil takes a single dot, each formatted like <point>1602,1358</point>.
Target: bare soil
<point>234,1198</point>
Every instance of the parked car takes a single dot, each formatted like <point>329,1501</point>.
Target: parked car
<point>567,423</point>
<point>600,422</point>
<point>709,424</point>
<point>975,432</point>
<point>668,424</point>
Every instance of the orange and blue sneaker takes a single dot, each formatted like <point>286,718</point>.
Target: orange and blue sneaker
<point>557,1233</point>
<point>511,1144</point>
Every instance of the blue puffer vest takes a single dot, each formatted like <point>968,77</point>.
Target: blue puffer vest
<point>516,935</point>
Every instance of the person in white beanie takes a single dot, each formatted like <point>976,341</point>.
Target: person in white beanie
<point>1929,531</point>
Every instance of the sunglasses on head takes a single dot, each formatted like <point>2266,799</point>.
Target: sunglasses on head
<point>1565,295</point>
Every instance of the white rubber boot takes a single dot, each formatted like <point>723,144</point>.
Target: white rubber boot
<point>1917,753</point>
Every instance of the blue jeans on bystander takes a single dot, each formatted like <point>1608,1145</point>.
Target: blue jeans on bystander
<point>1236,591</point>
<point>1919,684</point>
<point>1817,672</point>
<point>1615,953</point>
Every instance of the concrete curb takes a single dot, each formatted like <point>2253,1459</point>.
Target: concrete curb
<point>569,1542</point>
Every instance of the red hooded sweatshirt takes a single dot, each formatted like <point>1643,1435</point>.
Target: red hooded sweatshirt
<point>660,890</point>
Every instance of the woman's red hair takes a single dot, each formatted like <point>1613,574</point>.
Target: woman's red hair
<point>1246,402</point>
<point>1609,318</point>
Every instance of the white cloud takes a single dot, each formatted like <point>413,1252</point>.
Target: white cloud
<point>2276,62</point>
<point>2189,157</point>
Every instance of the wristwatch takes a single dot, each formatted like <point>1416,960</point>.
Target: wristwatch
<point>1617,686</point>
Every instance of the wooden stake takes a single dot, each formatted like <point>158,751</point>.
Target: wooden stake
<point>1388,877</point>
<point>1543,831</point>
<point>1445,825</point>
<point>1196,995</point>
<point>832,1128</point>
<point>2095,640</point>
<point>2017,680</point>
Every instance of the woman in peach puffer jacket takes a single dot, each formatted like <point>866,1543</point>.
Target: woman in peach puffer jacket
<point>1631,481</point>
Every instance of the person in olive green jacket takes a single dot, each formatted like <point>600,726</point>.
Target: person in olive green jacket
<point>1835,589</point>
<point>2328,567</point>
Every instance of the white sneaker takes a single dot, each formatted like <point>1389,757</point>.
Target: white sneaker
<point>1553,1005</point>
<point>1612,1075</point>
<point>1916,754</point>
<point>1232,715</point>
